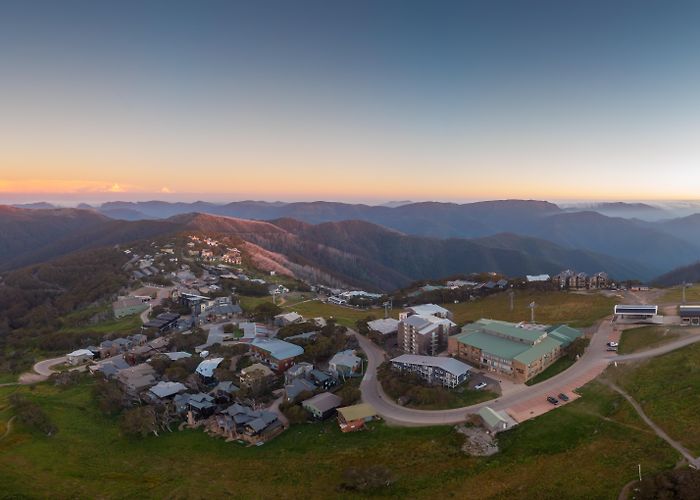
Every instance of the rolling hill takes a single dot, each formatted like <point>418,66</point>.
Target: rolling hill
<point>658,246</point>
<point>354,252</point>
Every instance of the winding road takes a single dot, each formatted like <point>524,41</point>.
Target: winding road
<point>589,366</point>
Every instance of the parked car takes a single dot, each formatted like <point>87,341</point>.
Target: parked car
<point>611,348</point>
<point>563,397</point>
<point>553,400</point>
<point>613,344</point>
<point>480,386</point>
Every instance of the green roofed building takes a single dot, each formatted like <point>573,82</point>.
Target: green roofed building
<point>517,350</point>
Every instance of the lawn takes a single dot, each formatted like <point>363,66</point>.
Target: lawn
<point>575,309</point>
<point>345,316</point>
<point>675,295</point>
<point>249,303</point>
<point>123,326</point>
<point>668,388</point>
<point>571,452</point>
<point>645,337</point>
<point>554,369</point>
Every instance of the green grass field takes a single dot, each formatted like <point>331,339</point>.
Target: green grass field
<point>123,326</point>
<point>345,316</point>
<point>645,337</point>
<point>587,449</point>
<point>668,388</point>
<point>675,295</point>
<point>249,303</point>
<point>578,310</point>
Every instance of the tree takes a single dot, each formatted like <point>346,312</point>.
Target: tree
<point>349,394</point>
<point>110,397</point>
<point>140,421</point>
<point>296,414</point>
<point>229,328</point>
<point>32,415</point>
<point>266,311</point>
<point>576,348</point>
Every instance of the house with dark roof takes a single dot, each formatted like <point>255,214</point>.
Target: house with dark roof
<point>323,405</point>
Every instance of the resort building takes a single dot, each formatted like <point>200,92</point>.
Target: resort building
<point>519,351</point>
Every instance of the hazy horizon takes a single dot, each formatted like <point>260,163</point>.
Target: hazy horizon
<point>362,101</point>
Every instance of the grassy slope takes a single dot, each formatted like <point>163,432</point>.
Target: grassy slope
<point>675,295</point>
<point>570,450</point>
<point>578,310</point>
<point>645,337</point>
<point>345,315</point>
<point>668,388</point>
<point>555,368</point>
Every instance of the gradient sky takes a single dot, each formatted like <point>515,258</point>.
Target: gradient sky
<point>351,100</point>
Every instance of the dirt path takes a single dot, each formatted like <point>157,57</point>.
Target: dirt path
<point>695,462</point>
<point>9,428</point>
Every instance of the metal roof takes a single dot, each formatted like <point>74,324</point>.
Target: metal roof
<point>357,412</point>
<point>636,309</point>
<point>278,349</point>
<point>323,402</point>
<point>450,365</point>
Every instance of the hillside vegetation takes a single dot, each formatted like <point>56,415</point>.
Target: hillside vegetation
<point>88,457</point>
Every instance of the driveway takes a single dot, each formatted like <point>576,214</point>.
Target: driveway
<point>42,371</point>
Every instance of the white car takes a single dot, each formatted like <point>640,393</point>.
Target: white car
<point>480,386</point>
<point>613,344</point>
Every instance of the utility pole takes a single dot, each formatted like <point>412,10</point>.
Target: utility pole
<point>532,311</point>
<point>640,472</point>
<point>684,287</point>
<point>511,294</point>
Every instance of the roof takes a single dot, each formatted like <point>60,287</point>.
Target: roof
<point>165,389</point>
<point>206,368</point>
<point>129,302</point>
<point>689,310</point>
<point>290,316</point>
<point>492,417</point>
<point>538,350</point>
<point>297,386</point>
<point>265,371</point>
<point>357,412</point>
<point>564,334</point>
<point>450,365</point>
<point>278,349</point>
<point>537,277</point>
<point>384,326</point>
<point>497,346</point>
<point>174,356</point>
<point>323,402</point>
<point>429,309</point>
<point>519,332</point>
<point>81,352</point>
<point>226,386</point>
<point>636,309</point>
<point>345,358</point>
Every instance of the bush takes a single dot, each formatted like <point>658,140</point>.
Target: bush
<point>295,414</point>
<point>32,415</point>
<point>349,394</point>
<point>139,421</point>
<point>110,397</point>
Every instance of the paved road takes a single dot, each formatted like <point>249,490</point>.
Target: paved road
<point>585,369</point>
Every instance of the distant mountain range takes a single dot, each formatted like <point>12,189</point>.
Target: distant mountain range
<point>363,253</point>
<point>654,246</point>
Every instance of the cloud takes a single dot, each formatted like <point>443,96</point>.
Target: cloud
<point>77,186</point>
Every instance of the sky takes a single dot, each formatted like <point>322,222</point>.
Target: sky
<point>349,100</point>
